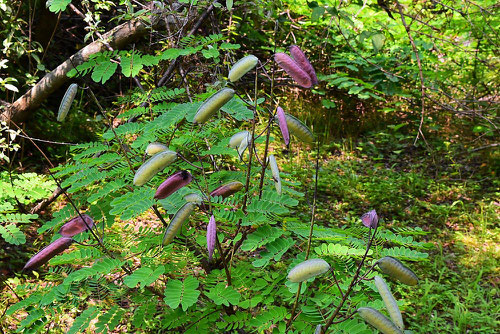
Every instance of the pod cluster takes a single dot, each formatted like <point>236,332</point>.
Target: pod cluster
<point>298,67</point>
<point>73,227</point>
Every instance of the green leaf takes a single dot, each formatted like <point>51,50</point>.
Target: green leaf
<point>144,275</point>
<point>378,42</point>
<point>317,12</point>
<point>222,294</point>
<point>111,318</point>
<point>56,6</point>
<point>274,250</point>
<point>262,236</point>
<point>182,293</point>
<point>340,250</point>
<point>83,320</point>
<point>103,71</point>
<point>229,4</point>
<point>131,64</point>
<point>12,234</point>
<point>132,203</point>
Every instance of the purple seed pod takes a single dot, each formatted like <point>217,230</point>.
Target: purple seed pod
<point>76,225</point>
<point>227,189</point>
<point>47,253</point>
<point>280,113</point>
<point>370,219</point>
<point>211,235</point>
<point>293,69</point>
<point>173,183</point>
<point>301,60</point>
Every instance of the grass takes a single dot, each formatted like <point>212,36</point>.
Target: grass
<point>458,289</point>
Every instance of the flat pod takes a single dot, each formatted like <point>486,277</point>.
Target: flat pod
<point>293,69</point>
<point>151,167</point>
<point>155,147</point>
<point>211,235</point>
<point>389,301</point>
<point>66,102</point>
<point>307,269</point>
<point>378,320</point>
<point>213,104</point>
<point>76,225</point>
<point>281,117</point>
<point>301,60</point>
<point>175,224</point>
<point>173,183</point>
<point>241,67</point>
<point>299,129</point>
<point>394,268</point>
<point>237,138</point>
<point>276,173</point>
<point>47,253</point>
<point>227,189</point>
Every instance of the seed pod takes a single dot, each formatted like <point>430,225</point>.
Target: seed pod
<point>301,60</point>
<point>370,219</point>
<point>211,235</point>
<point>76,225</point>
<point>276,172</point>
<point>173,183</point>
<point>307,269</point>
<point>390,302</point>
<point>243,145</point>
<point>176,222</point>
<point>318,330</point>
<point>241,67</point>
<point>394,268</point>
<point>227,189</point>
<point>237,138</point>
<point>213,104</point>
<point>293,69</point>
<point>280,115</point>
<point>193,198</point>
<point>154,165</point>
<point>155,147</point>
<point>378,320</point>
<point>47,253</point>
<point>66,102</point>
<point>299,129</point>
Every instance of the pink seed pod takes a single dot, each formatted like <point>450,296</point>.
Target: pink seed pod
<point>293,69</point>
<point>370,219</point>
<point>173,183</point>
<point>301,60</point>
<point>211,235</point>
<point>280,113</point>
<point>76,225</point>
<point>47,253</point>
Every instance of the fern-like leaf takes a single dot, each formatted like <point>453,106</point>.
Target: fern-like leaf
<point>182,293</point>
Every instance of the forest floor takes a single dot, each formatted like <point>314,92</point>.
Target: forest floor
<point>456,203</point>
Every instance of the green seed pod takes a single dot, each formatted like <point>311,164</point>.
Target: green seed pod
<point>318,330</point>
<point>66,102</point>
<point>237,138</point>
<point>193,198</point>
<point>176,222</point>
<point>154,148</point>
<point>241,67</point>
<point>389,301</point>
<point>299,129</point>
<point>307,269</point>
<point>243,146</point>
<point>154,165</point>
<point>213,104</point>
<point>276,172</point>
<point>394,268</point>
<point>378,320</point>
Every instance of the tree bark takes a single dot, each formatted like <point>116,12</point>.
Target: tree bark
<point>116,38</point>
